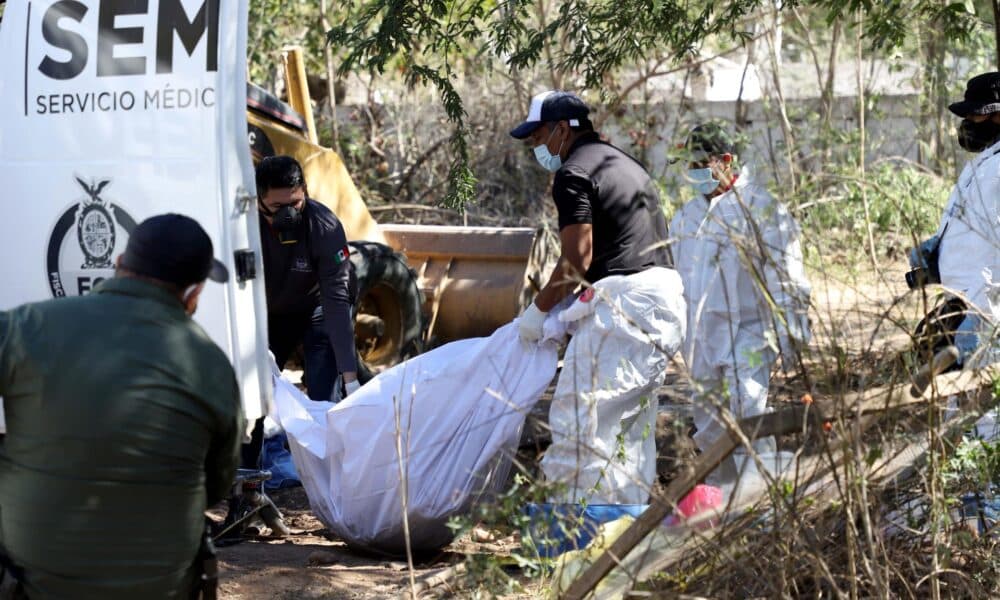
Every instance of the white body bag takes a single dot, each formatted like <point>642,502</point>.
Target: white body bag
<point>445,423</point>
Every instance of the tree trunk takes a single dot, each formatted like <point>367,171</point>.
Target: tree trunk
<point>831,72</point>
<point>859,64</point>
<point>331,77</point>
<point>554,76</point>
<point>740,116</point>
<point>786,126</point>
<point>933,98</point>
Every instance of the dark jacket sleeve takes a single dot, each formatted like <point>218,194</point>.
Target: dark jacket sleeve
<point>224,452</point>
<point>332,258</point>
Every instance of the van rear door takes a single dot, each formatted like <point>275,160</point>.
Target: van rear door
<point>112,112</point>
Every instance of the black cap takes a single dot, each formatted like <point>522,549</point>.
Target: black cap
<point>982,96</point>
<point>548,107</point>
<point>173,248</point>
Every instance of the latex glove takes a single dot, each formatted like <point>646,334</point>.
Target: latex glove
<point>350,387</point>
<point>530,325</point>
<point>920,254</point>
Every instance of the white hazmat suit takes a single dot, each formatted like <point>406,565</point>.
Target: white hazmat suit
<point>603,413</point>
<point>969,259</point>
<point>737,254</point>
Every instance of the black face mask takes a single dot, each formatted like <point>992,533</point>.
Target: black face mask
<point>285,221</point>
<point>976,137</point>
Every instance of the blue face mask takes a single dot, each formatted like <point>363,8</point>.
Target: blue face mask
<point>550,162</point>
<point>702,180</point>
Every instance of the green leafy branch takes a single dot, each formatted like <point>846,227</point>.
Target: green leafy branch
<point>431,41</point>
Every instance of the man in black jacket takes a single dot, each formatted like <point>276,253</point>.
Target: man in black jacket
<point>309,280</point>
<point>310,286</point>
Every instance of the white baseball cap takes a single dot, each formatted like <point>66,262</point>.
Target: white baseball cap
<point>551,106</point>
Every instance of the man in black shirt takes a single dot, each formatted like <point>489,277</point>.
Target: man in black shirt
<point>626,326</point>
<point>308,277</point>
<point>610,219</point>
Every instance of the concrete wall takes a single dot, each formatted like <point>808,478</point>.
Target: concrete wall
<point>891,130</point>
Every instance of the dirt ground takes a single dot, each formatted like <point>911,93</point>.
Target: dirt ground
<point>310,564</point>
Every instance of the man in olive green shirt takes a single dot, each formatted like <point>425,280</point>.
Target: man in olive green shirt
<point>123,425</point>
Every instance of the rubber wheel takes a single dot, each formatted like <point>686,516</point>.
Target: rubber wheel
<point>389,323</point>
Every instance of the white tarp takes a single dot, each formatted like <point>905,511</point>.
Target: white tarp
<point>112,112</point>
<point>453,414</point>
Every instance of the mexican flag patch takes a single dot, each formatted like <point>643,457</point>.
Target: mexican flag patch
<point>342,254</point>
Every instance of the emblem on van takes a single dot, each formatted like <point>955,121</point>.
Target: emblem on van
<point>95,229</point>
<point>74,269</point>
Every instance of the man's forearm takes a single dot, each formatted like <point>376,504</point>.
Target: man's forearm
<point>564,279</point>
<point>574,260</point>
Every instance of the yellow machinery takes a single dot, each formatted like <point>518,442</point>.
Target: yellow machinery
<point>417,284</point>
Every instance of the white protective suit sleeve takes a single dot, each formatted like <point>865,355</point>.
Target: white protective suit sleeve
<point>684,249</point>
<point>684,230</point>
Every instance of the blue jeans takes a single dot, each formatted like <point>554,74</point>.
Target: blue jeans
<point>967,336</point>
<point>285,332</point>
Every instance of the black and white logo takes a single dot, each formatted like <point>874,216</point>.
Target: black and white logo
<point>302,265</point>
<point>75,266</point>
<point>95,229</point>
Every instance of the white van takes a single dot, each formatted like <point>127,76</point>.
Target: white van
<point>111,113</point>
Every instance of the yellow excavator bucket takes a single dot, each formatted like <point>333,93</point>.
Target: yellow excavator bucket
<point>474,279</point>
